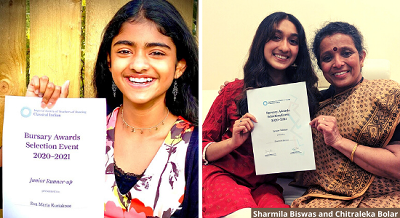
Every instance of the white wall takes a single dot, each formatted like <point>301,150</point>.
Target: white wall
<point>228,27</point>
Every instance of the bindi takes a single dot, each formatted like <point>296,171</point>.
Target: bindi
<point>334,49</point>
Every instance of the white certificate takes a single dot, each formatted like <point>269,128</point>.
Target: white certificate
<point>282,139</point>
<point>53,159</point>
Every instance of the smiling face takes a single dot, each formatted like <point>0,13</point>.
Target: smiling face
<point>281,50</point>
<point>340,61</point>
<point>143,62</point>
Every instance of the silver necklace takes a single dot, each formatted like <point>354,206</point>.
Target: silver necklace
<point>133,129</point>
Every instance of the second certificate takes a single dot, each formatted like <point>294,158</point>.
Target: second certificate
<point>282,139</point>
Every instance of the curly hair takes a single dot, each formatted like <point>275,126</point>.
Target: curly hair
<point>334,28</point>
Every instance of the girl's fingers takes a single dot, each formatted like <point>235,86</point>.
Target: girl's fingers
<point>242,129</point>
<point>65,89</point>
<point>48,92</point>
<point>250,116</point>
<point>33,87</point>
<point>43,81</point>
<point>54,97</point>
<point>245,124</point>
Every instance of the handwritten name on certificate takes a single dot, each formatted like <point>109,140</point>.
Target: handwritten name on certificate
<point>282,138</point>
<point>53,159</point>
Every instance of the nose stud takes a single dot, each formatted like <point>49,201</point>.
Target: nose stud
<point>334,49</point>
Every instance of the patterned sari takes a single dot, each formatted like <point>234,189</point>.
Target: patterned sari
<point>367,114</point>
<point>160,191</point>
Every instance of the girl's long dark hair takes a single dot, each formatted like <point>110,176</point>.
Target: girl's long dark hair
<point>256,68</point>
<point>170,23</point>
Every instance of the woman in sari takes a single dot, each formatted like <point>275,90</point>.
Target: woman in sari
<point>356,139</point>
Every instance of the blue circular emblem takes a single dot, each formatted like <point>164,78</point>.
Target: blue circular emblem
<point>265,103</point>
<point>26,112</point>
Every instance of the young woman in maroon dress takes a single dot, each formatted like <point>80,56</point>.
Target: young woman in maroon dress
<point>278,55</point>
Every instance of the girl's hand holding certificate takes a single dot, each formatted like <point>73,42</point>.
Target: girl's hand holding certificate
<point>242,129</point>
<point>48,91</point>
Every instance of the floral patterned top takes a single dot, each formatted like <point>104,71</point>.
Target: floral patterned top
<point>160,191</point>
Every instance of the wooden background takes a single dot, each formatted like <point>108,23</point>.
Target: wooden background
<point>55,42</point>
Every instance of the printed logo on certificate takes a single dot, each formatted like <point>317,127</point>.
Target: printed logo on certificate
<point>282,138</point>
<point>53,159</point>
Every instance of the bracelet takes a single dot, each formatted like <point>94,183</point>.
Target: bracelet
<point>353,152</point>
<point>205,161</point>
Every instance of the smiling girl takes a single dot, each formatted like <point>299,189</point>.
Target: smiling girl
<point>147,69</point>
<point>278,55</point>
